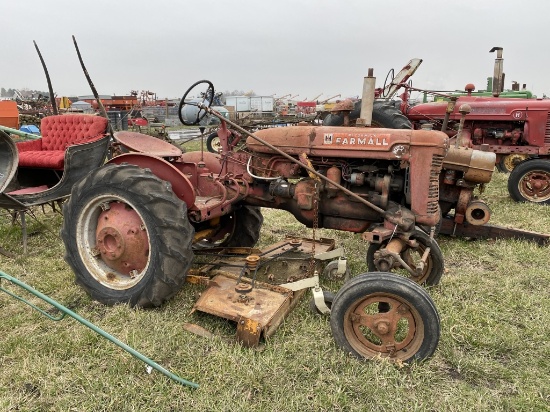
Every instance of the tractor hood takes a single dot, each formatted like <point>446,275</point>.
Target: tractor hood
<point>482,108</point>
<point>347,142</point>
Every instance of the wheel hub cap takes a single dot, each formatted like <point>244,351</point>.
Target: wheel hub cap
<point>121,239</point>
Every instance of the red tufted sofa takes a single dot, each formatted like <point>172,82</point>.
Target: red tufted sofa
<point>58,133</point>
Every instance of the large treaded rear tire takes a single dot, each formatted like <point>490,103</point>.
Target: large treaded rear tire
<point>383,115</point>
<point>163,217</point>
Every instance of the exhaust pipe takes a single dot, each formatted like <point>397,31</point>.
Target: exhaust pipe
<point>498,75</point>
<point>367,102</point>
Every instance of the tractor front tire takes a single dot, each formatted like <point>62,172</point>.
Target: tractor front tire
<point>434,268</point>
<point>530,181</point>
<point>127,236</point>
<point>385,315</point>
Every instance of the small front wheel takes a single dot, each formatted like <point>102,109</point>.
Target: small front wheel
<point>508,163</point>
<point>530,181</point>
<point>385,315</point>
<point>428,274</point>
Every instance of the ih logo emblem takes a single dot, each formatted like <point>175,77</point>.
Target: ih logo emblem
<point>328,138</point>
<point>518,115</point>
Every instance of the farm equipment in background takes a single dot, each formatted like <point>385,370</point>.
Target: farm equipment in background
<point>516,129</point>
<point>131,226</point>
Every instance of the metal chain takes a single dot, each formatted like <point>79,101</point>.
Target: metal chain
<point>314,227</point>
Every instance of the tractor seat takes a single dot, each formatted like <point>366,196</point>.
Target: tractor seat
<point>58,133</point>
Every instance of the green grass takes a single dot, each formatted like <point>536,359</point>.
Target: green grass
<point>494,303</point>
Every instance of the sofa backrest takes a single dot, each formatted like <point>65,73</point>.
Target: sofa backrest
<point>61,131</point>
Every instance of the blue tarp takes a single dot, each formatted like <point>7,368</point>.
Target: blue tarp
<point>31,128</point>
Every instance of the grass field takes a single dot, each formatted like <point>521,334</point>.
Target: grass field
<point>494,303</point>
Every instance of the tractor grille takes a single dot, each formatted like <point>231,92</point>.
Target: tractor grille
<point>433,193</point>
<point>547,131</point>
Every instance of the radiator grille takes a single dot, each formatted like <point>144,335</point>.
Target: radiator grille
<point>433,193</point>
<point>547,131</point>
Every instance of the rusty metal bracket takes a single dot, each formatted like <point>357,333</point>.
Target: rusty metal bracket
<point>450,228</point>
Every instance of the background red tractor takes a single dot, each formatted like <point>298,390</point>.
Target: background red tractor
<point>516,129</point>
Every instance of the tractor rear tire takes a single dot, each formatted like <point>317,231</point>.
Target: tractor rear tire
<point>385,315</point>
<point>109,263</point>
<point>434,265</point>
<point>530,181</point>
<point>383,115</point>
<point>242,226</point>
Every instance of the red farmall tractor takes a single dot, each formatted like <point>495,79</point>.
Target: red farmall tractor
<point>131,226</point>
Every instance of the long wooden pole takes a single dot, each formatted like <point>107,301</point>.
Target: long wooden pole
<point>94,91</point>
<point>50,88</point>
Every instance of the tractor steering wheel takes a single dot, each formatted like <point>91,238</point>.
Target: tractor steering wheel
<point>193,115</point>
<point>391,74</point>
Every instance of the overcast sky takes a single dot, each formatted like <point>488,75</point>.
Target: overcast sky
<point>303,47</point>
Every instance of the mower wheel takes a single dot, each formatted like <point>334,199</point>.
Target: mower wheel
<point>331,272</point>
<point>530,181</point>
<point>127,237</point>
<point>327,296</point>
<point>433,269</point>
<point>406,329</point>
<point>213,142</point>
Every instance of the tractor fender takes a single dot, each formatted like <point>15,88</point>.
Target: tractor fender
<point>181,185</point>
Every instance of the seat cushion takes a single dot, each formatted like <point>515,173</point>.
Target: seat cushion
<point>61,131</point>
<point>51,159</point>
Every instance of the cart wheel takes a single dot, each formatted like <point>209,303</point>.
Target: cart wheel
<point>433,269</point>
<point>331,272</point>
<point>385,315</point>
<point>327,296</point>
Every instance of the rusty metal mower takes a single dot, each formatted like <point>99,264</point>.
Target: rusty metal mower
<point>131,227</point>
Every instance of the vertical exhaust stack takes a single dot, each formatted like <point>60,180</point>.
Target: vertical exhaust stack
<point>498,75</point>
<point>367,102</point>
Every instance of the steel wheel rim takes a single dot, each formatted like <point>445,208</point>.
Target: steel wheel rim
<point>512,160</point>
<point>409,255</point>
<point>373,334</point>
<point>216,144</point>
<point>86,240</point>
<point>535,186</point>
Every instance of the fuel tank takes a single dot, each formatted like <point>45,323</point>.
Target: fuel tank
<point>477,165</point>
